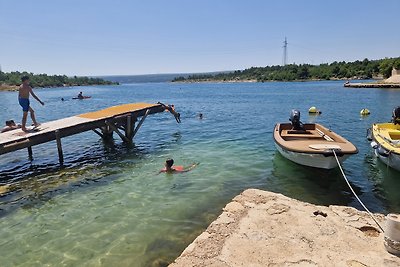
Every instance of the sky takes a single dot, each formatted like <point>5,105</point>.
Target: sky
<point>98,37</point>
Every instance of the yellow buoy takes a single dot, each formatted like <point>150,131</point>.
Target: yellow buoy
<point>365,112</point>
<point>314,110</point>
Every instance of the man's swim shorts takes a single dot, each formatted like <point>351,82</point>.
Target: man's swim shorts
<point>24,102</point>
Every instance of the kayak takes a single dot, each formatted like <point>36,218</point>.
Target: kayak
<point>84,97</point>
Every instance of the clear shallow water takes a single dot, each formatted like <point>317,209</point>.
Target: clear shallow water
<point>108,206</point>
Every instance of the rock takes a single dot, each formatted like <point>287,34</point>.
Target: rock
<point>260,228</point>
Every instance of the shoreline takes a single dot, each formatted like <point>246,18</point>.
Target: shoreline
<point>261,228</point>
<point>372,85</point>
<point>8,88</point>
<point>14,88</point>
<point>256,81</point>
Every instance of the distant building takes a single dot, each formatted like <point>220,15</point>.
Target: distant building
<point>395,72</point>
<point>395,78</point>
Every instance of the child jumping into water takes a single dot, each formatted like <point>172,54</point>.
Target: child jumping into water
<point>171,108</point>
<point>23,98</point>
<point>169,168</point>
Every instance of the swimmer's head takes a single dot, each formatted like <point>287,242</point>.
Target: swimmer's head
<point>169,163</point>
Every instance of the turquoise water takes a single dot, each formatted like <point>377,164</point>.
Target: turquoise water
<point>108,205</point>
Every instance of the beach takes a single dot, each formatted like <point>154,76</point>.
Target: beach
<point>8,87</point>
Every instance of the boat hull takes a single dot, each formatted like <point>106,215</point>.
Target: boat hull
<point>311,160</point>
<point>312,146</point>
<point>392,160</point>
<point>385,142</point>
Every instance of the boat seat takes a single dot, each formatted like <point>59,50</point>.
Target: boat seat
<point>310,134</point>
<point>394,135</point>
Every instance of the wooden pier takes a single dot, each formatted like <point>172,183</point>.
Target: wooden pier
<point>119,119</point>
<point>372,85</point>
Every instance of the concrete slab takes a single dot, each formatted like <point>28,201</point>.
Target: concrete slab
<point>260,228</point>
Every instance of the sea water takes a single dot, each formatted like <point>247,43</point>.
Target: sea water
<point>109,206</point>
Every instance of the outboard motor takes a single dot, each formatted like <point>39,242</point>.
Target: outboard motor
<point>295,119</point>
<point>396,115</point>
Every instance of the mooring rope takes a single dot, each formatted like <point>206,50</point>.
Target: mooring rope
<point>354,193</point>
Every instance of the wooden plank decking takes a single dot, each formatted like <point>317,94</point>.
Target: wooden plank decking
<point>112,119</point>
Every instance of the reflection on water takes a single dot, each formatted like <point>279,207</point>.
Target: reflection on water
<point>29,185</point>
<point>108,205</point>
<point>328,186</point>
<point>386,182</point>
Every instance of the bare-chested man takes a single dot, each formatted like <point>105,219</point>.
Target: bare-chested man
<point>23,99</point>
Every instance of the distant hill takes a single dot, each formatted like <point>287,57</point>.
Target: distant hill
<point>152,78</point>
<point>365,69</point>
<point>11,80</point>
<point>147,78</point>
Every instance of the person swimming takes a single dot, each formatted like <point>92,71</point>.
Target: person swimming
<point>10,125</point>
<point>169,168</point>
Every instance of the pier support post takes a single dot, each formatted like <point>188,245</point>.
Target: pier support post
<point>98,133</point>
<point>134,120</point>
<point>141,122</point>
<point>59,147</point>
<point>30,153</point>
<point>115,129</point>
<point>107,134</point>
<point>128,128</point>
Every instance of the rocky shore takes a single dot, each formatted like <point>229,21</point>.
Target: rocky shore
<point>260,228</point>
<point>391,82</point>
<point>4,87</point>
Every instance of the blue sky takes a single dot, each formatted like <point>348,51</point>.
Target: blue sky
<point>97,37</point>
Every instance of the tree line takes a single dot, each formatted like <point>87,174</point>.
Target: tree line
<point>365,69</point>
<point>44,80</point>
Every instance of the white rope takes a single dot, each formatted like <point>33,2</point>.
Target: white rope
<point>354,193</point>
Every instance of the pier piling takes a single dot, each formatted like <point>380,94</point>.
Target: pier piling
<point>128,128</point>
<point>115,129</point>
<point>59,147</point>
<point>140,123</point>
<point>30,153</point>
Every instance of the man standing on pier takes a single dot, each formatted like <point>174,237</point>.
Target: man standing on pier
<point>23,98</point>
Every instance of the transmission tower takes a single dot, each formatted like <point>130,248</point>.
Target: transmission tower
<point>285,43</point>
